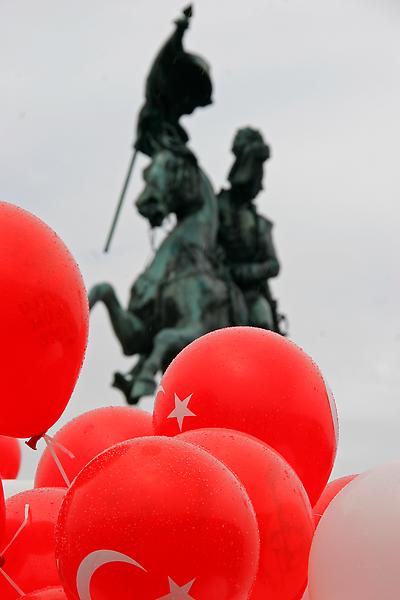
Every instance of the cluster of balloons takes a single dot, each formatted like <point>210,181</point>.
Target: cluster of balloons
<point>44,325</point>
<point>221,494</point>
<point>211,496</point>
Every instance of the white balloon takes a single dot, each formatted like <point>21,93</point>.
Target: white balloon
<point>355,551</point>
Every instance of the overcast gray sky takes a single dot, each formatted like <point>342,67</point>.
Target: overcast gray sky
<point>320,78</point>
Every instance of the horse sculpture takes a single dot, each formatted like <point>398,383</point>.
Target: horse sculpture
<point>184,292</point>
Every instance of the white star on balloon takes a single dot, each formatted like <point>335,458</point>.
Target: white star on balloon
<point>177,592</point>
<point>181,410</point>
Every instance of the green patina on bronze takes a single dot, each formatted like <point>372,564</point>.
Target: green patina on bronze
<point>245,235</point>
<point>212,269</point>
<point>177,84</point>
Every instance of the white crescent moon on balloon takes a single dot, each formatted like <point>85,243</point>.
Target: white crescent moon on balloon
<point>94,561</point>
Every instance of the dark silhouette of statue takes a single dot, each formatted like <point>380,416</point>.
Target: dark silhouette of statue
<point>178,83</point>
<point>212,269</point>
<point>245,235</point>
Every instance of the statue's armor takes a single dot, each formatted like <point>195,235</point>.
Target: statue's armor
<point>246,239</point>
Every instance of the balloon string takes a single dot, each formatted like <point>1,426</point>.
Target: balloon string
<point>58,445</point>
<point>49,444</point>
<point>12,583</point>
<point>18,532</point>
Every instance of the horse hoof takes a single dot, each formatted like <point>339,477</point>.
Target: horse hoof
<point>140,388</point>
<point>123,383</point>
<point>132,401</point>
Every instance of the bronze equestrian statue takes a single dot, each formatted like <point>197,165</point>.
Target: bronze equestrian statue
<point>212,269</point>
<point>183,293</point>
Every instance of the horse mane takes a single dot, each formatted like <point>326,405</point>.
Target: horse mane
<point>185,171</point>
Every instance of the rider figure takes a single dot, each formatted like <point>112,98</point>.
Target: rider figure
<point>178,83</point>
<point>245,235</point>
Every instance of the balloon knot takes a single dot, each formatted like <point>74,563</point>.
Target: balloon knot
<point>32,443</point>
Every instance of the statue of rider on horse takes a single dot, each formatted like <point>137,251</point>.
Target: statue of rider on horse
<point>212,269</point>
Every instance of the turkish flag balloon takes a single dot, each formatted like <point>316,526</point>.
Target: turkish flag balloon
<point>44,323</point>
<point>30,560</point>
<point>157,518</point>
<point>86,436</point>
<point>281,504</point>
<point>331,490</point>
<point>257,382</point>
<point>49,593</point>
<point>10,457</point>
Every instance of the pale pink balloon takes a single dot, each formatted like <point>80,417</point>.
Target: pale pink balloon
<point>355,551</point>
<point>329,493</point>
<point>306,595</point>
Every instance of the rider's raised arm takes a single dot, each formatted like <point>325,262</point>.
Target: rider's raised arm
<point>174,44</point>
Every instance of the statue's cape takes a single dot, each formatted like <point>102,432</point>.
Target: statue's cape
<point>178,82</point>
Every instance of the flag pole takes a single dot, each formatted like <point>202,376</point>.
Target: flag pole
<point>120,201</point>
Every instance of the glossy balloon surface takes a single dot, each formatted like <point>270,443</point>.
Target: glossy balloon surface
<point>257,382</point>
<point>10,457</point>
<point>44,323</point>
<point>86,436</point>
<point>30,561</point>
<point>2,515</point>
<point>154,516</point>
<point>354,553</point>
<point>49,593</point>
<point>281,504</point>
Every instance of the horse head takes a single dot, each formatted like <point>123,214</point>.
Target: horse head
<point>172,185</point>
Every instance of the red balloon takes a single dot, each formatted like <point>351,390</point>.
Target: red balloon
<point>10,457</point>
<point>157,518</point>
<point>44,312</point>
<point>49,593</point>
<point>331,490</point>
<point>281,504</point>
<point>30,560</point>
<point>257,382</point>
<point>86,436</point>
<point>2,513</point>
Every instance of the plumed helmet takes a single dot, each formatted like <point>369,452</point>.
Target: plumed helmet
<point>250,151</point>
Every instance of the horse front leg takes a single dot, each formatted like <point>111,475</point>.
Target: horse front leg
<point>128,328</point>
<point>124,381</point>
